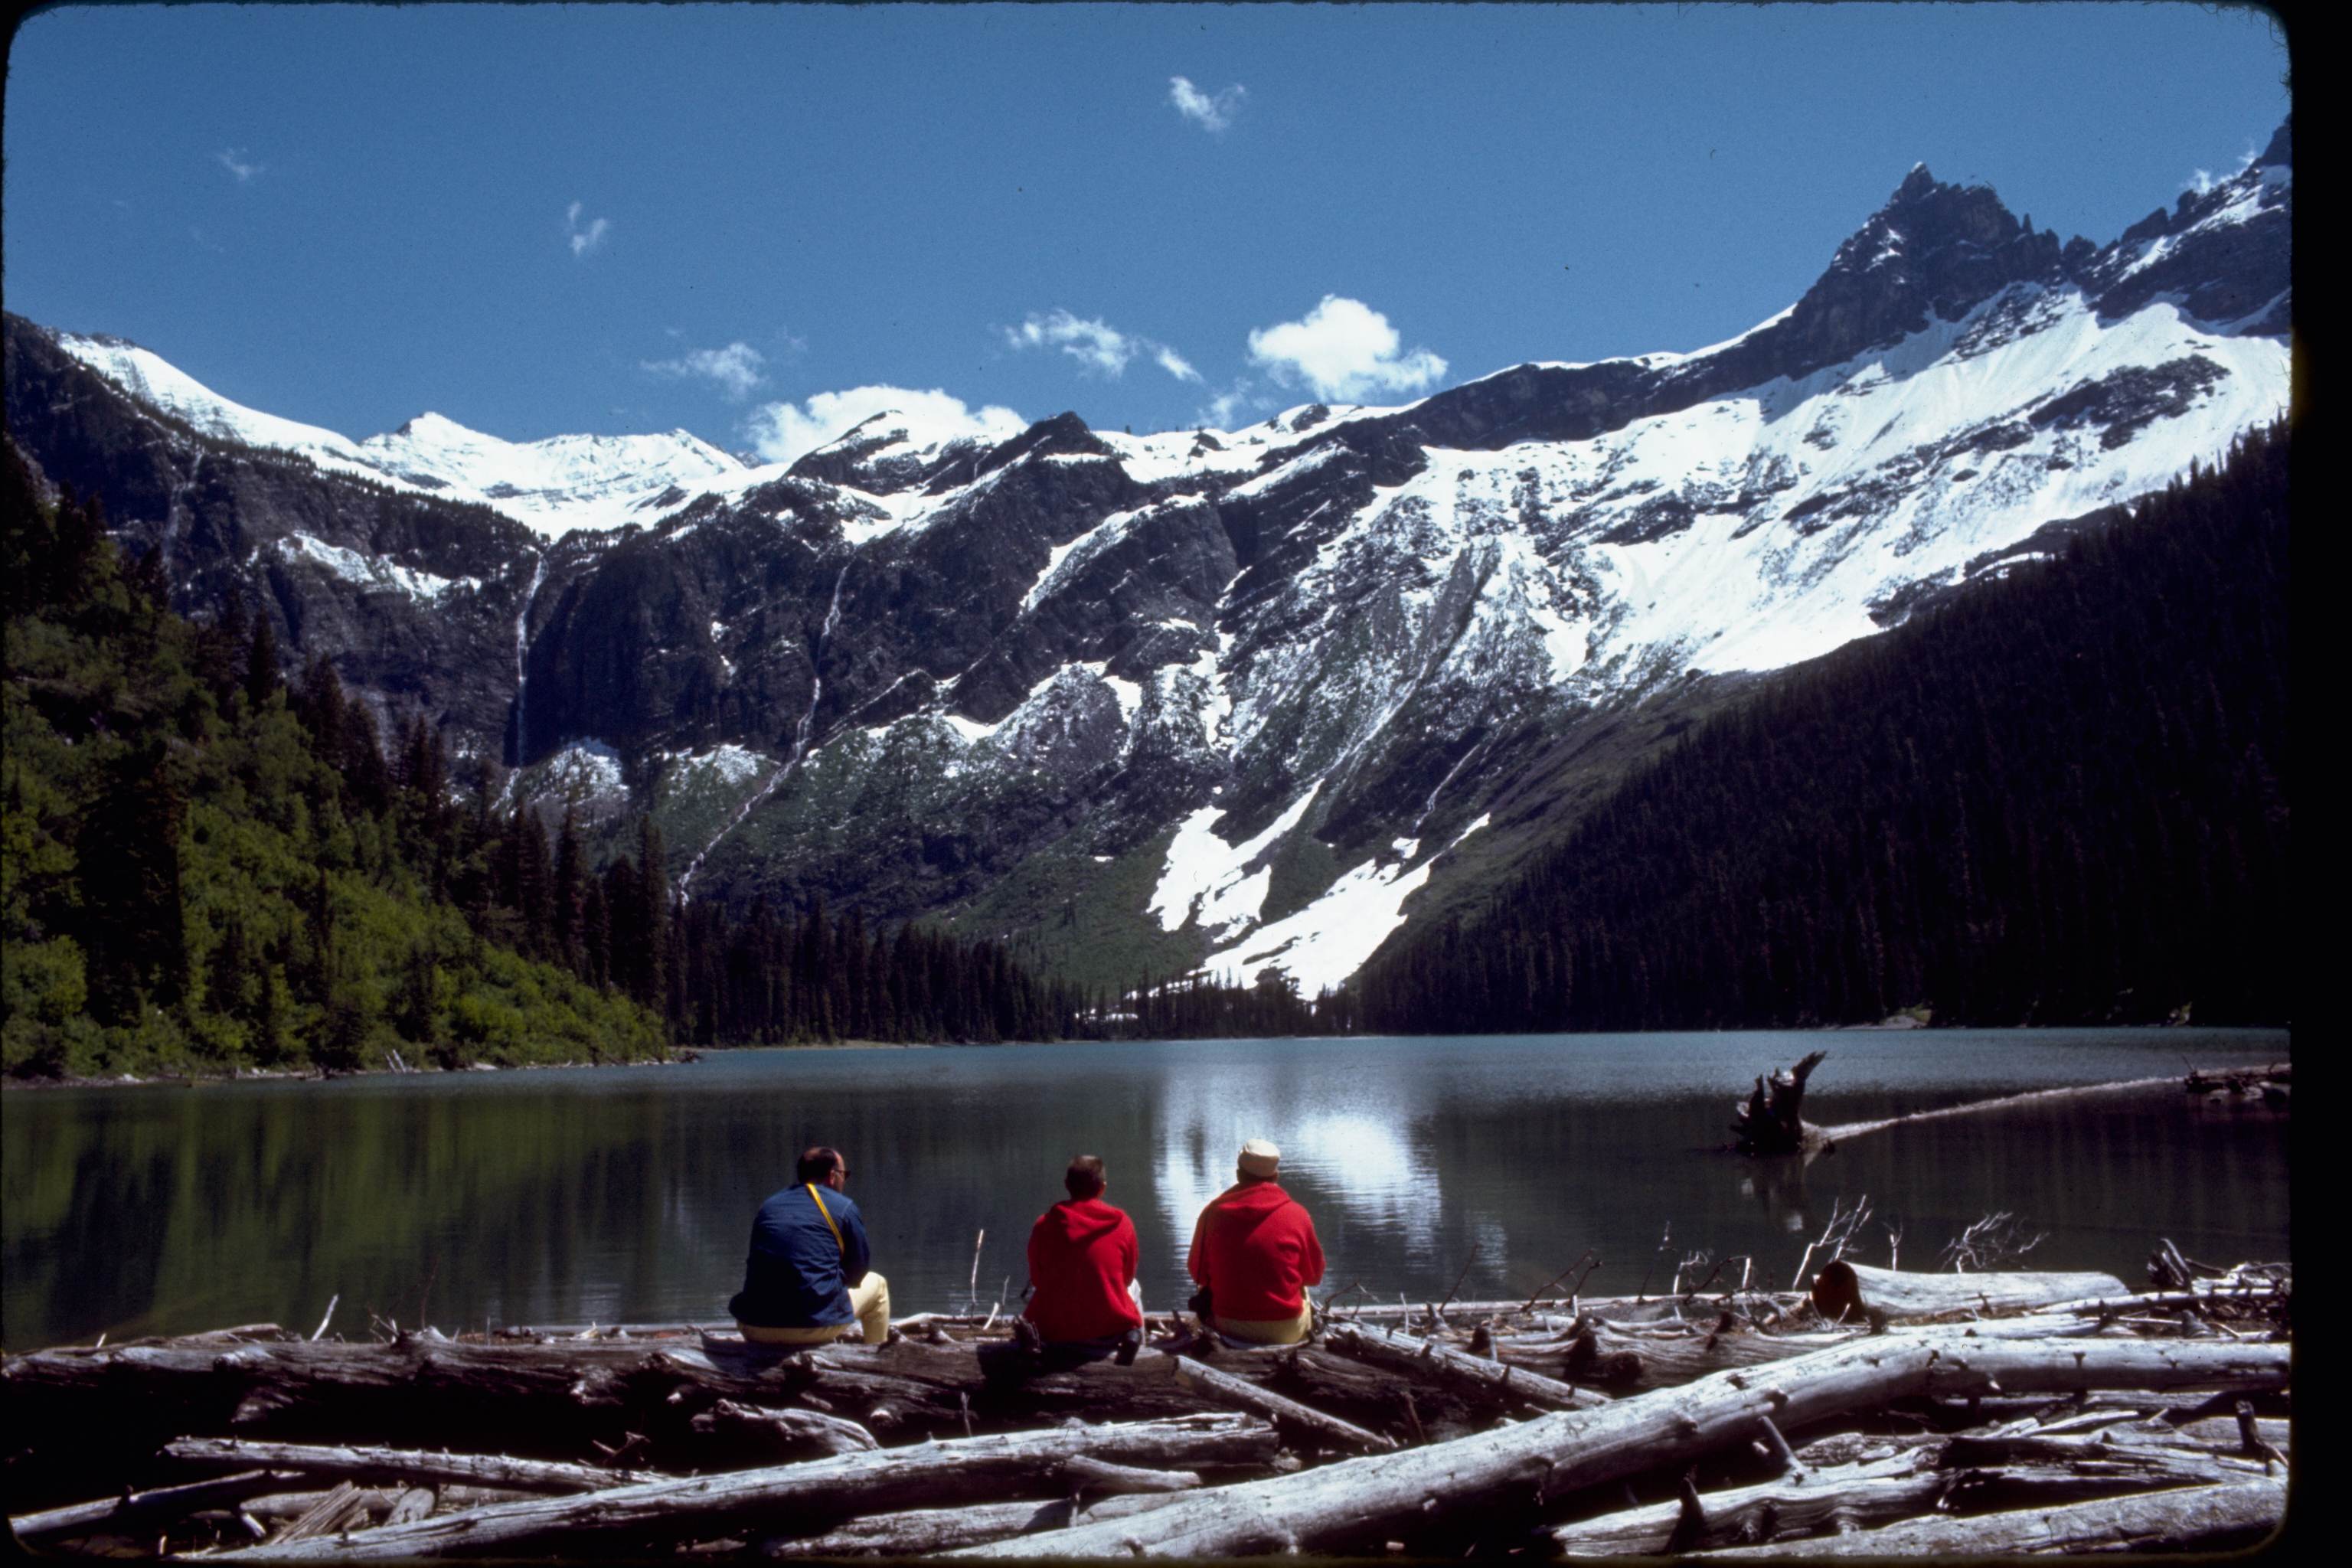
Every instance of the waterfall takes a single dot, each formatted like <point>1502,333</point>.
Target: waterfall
<point>523,672</point>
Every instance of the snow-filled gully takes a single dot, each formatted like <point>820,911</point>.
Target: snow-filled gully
<point>800,736</point>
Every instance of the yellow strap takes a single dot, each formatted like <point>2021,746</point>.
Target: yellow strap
<point>828,1219</point>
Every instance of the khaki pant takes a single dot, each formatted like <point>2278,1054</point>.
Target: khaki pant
<point>869,1300</point>
<point>1266,1331</point>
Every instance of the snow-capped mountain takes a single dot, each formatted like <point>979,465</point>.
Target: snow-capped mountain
<point>1223,697</point>
<point>551,486</point>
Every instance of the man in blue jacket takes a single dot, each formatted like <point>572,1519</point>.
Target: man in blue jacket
<point>807,1279</point>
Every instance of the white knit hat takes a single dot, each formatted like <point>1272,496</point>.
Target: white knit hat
<point>1260,1158</point>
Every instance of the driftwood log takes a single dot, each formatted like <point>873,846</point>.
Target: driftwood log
<point>141,1511</point>
<point>1387,1496</point>
<point>792,1434</point>
<point>1854,1496</point>
<point>1626,1362</point>
<point>1846,1131</point>
<point>447,1499</point>
<point>2210,1519</point>
<point>1959,1476</point>
<point>1502,1382</point>
<point>923,1533</point>
<point>1853,1290</point>
<point>409,1465</point>
<point>1628,1358</point>
<point>1084,1474</point>
<point>1615,1309</point>
<point>1771,1120</point>
<point>1237,1393</point>
<point>345,1507</point>
<point>814,1494</point>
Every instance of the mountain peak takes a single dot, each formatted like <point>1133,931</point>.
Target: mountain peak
<point>437,428</point>
<point>2280,154</point>
<point>1934,251</point>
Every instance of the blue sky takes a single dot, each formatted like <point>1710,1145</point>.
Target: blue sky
<point>543,219</point>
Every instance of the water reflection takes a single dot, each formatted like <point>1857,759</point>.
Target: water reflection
<point>1778,1185</point>
<point>1353,1161</point>
<point>627,1195</point>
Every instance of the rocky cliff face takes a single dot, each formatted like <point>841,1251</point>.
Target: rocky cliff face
<point>1235,697</point>
<point>414,598</point>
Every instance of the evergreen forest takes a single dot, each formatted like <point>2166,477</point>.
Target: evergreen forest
<point>2062,798</point>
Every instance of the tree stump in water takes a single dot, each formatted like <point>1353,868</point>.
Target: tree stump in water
<point>1771,1119</point>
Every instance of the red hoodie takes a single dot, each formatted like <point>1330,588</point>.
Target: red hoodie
<point>1255,1248</point>
<point>1082,1256</point>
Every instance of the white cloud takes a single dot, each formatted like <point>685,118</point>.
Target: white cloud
<point>1209,113</point>
<point>735,368</point>
<point>1226,409</point>
<point>2204,180</point>
<point>236,164</point>
<point>1342,351</point>
<point>584,240</point>
<point>1173,363</point>
<point>780,432</point>
<point>1093,344</point>
<point>1096,345</point>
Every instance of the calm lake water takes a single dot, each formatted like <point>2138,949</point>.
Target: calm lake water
<point>626,1195</point>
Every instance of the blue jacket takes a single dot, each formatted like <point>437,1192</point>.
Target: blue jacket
<point>798,1276</point>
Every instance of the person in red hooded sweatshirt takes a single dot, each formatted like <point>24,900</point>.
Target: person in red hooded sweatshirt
<point>1082,1255</point>
<point>1254,1255</point>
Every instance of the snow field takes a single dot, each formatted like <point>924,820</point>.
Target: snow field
<point>372,571</point>
<point>1207,879</point>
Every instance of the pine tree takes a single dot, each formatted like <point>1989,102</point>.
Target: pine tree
<point>133,926</point>
<point>652,916</point>
<point>262,676</point>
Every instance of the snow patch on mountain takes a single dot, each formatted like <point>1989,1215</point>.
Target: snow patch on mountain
<point>732,764</point>
<point>1213,882</point>
<point>1076,554</point>
<point>1319,946</point>
<point>371,571</point>
<point>586,767</point>
<point>1328,939</point>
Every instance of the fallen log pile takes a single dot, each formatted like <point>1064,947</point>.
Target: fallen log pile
<point>2008,1412</point>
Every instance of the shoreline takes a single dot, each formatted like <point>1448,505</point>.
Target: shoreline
<point>684,1055</point>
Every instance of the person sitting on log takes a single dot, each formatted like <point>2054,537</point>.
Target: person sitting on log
<point>809,1278</point>
<point>1082,1256</point>
<point>1254,1254</point>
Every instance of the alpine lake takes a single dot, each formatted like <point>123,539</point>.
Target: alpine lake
<point>1483,1166</point>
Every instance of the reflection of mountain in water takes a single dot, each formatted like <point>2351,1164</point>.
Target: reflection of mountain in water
<point>1355,1164</point>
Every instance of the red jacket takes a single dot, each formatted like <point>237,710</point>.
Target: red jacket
<point>1255,1248</point>
<point>1082,1256</point>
